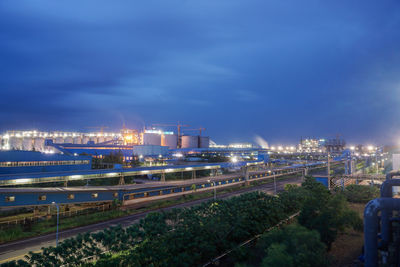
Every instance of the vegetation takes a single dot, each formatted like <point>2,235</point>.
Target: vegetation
<point>293,245</point>
<point>179,237</point>
<point>361,193</point>
<point>193,236</point>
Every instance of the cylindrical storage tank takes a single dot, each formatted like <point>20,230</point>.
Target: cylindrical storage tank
<point>151,139</point>
<point>59,140</point>
<point>93,139</point>
<point>100,139</point>
<point>77,140</point>
<point>85,139</point>
<point>38,144</point>
<point>68,140</point>
<point>190,141</point>
<point>169,140</point>
<point>15,143</point>
<point>204,142</point>
<point>27,143</point>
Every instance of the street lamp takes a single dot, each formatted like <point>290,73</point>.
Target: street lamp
<point>58,215</point>
<point>215,190</point>
<point>274,182</point>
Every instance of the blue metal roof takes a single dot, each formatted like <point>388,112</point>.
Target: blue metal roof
<point>18,155</point>
<point>105,171</point>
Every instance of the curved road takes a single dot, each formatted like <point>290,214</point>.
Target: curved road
<point>18,249</point>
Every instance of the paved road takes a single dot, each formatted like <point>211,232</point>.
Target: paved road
<point>16,250</point>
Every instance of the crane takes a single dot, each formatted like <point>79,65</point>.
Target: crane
<point>99,127</point>
<point>200,129</point>
<point>178,126</point>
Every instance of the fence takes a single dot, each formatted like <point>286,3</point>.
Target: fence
<point>65,214</point>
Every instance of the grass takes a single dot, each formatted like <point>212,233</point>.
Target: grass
<point>49,226</point>
<point>347,246</point>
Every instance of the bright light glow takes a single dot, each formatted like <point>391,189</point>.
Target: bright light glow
<point>178,155</point>
<point>112,174</point>
<point>352,148</point>
<point>21,181</point>
<point>280,148</point>
<point>234,159</point>
<point>272,148</point>
<point>75,177</point>
<point>169,170</point>
<point>189,168</point>
<point>370,147</point>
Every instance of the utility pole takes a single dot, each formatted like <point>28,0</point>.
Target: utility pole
<point>329,171</point>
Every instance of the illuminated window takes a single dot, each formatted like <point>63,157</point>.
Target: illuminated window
<point>115,194</point>
<point>42,197</point>
<point>71,196</point>
<point>95,195</point>
<point>10,199</point>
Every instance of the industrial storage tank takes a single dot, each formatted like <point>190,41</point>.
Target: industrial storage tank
<point>15,143</point>
<point>85,140</point>
<point>151,139</point>
<point>190,141</point>
<point>169,140</point>
<point>27,143</point>
<point>100,139</point>
<point>59,140</point>
<point>77,140</point>
<point>93,139</point>
<point>38,144</point>
<point>204,142</point>
<point>108,138</point>
<point>68,140</point>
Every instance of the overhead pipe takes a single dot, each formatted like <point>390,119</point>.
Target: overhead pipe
<point>390,175</point>
<point>371,226</point>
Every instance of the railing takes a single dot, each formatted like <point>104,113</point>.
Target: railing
<point>65,214</point>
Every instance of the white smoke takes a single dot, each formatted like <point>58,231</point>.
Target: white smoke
<point>260,141</point>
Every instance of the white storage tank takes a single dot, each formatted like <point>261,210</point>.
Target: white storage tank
<point>93,139</point>
<point>85,140</point>
<point>100,139</point>
<point>59,140</point>
<point>169,140</point>
<point>38,144</point>
<point>190,141</point>
<point>77,140</point>
<point>151,139</point>
<point>15,143</point>
<point>204,142</point>
<point>27,143</point>
<point>68,140</point>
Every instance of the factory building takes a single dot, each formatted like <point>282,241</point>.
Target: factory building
<point>150,151</point>
<point>35,140</point>
<point>12,162</point>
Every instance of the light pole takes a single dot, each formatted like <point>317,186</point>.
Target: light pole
<point>215,190</point>
<point>58,214</point>
<point>273,173</point>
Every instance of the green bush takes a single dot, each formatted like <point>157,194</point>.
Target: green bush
<point>360,193</point>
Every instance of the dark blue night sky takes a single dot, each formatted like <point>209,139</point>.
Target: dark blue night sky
<point>275,68</point>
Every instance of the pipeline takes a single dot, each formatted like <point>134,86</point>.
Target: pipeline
<point>371,227</point>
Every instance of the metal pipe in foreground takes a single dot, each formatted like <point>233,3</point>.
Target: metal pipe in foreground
<point>371,226</point>
<point>387,192</point>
